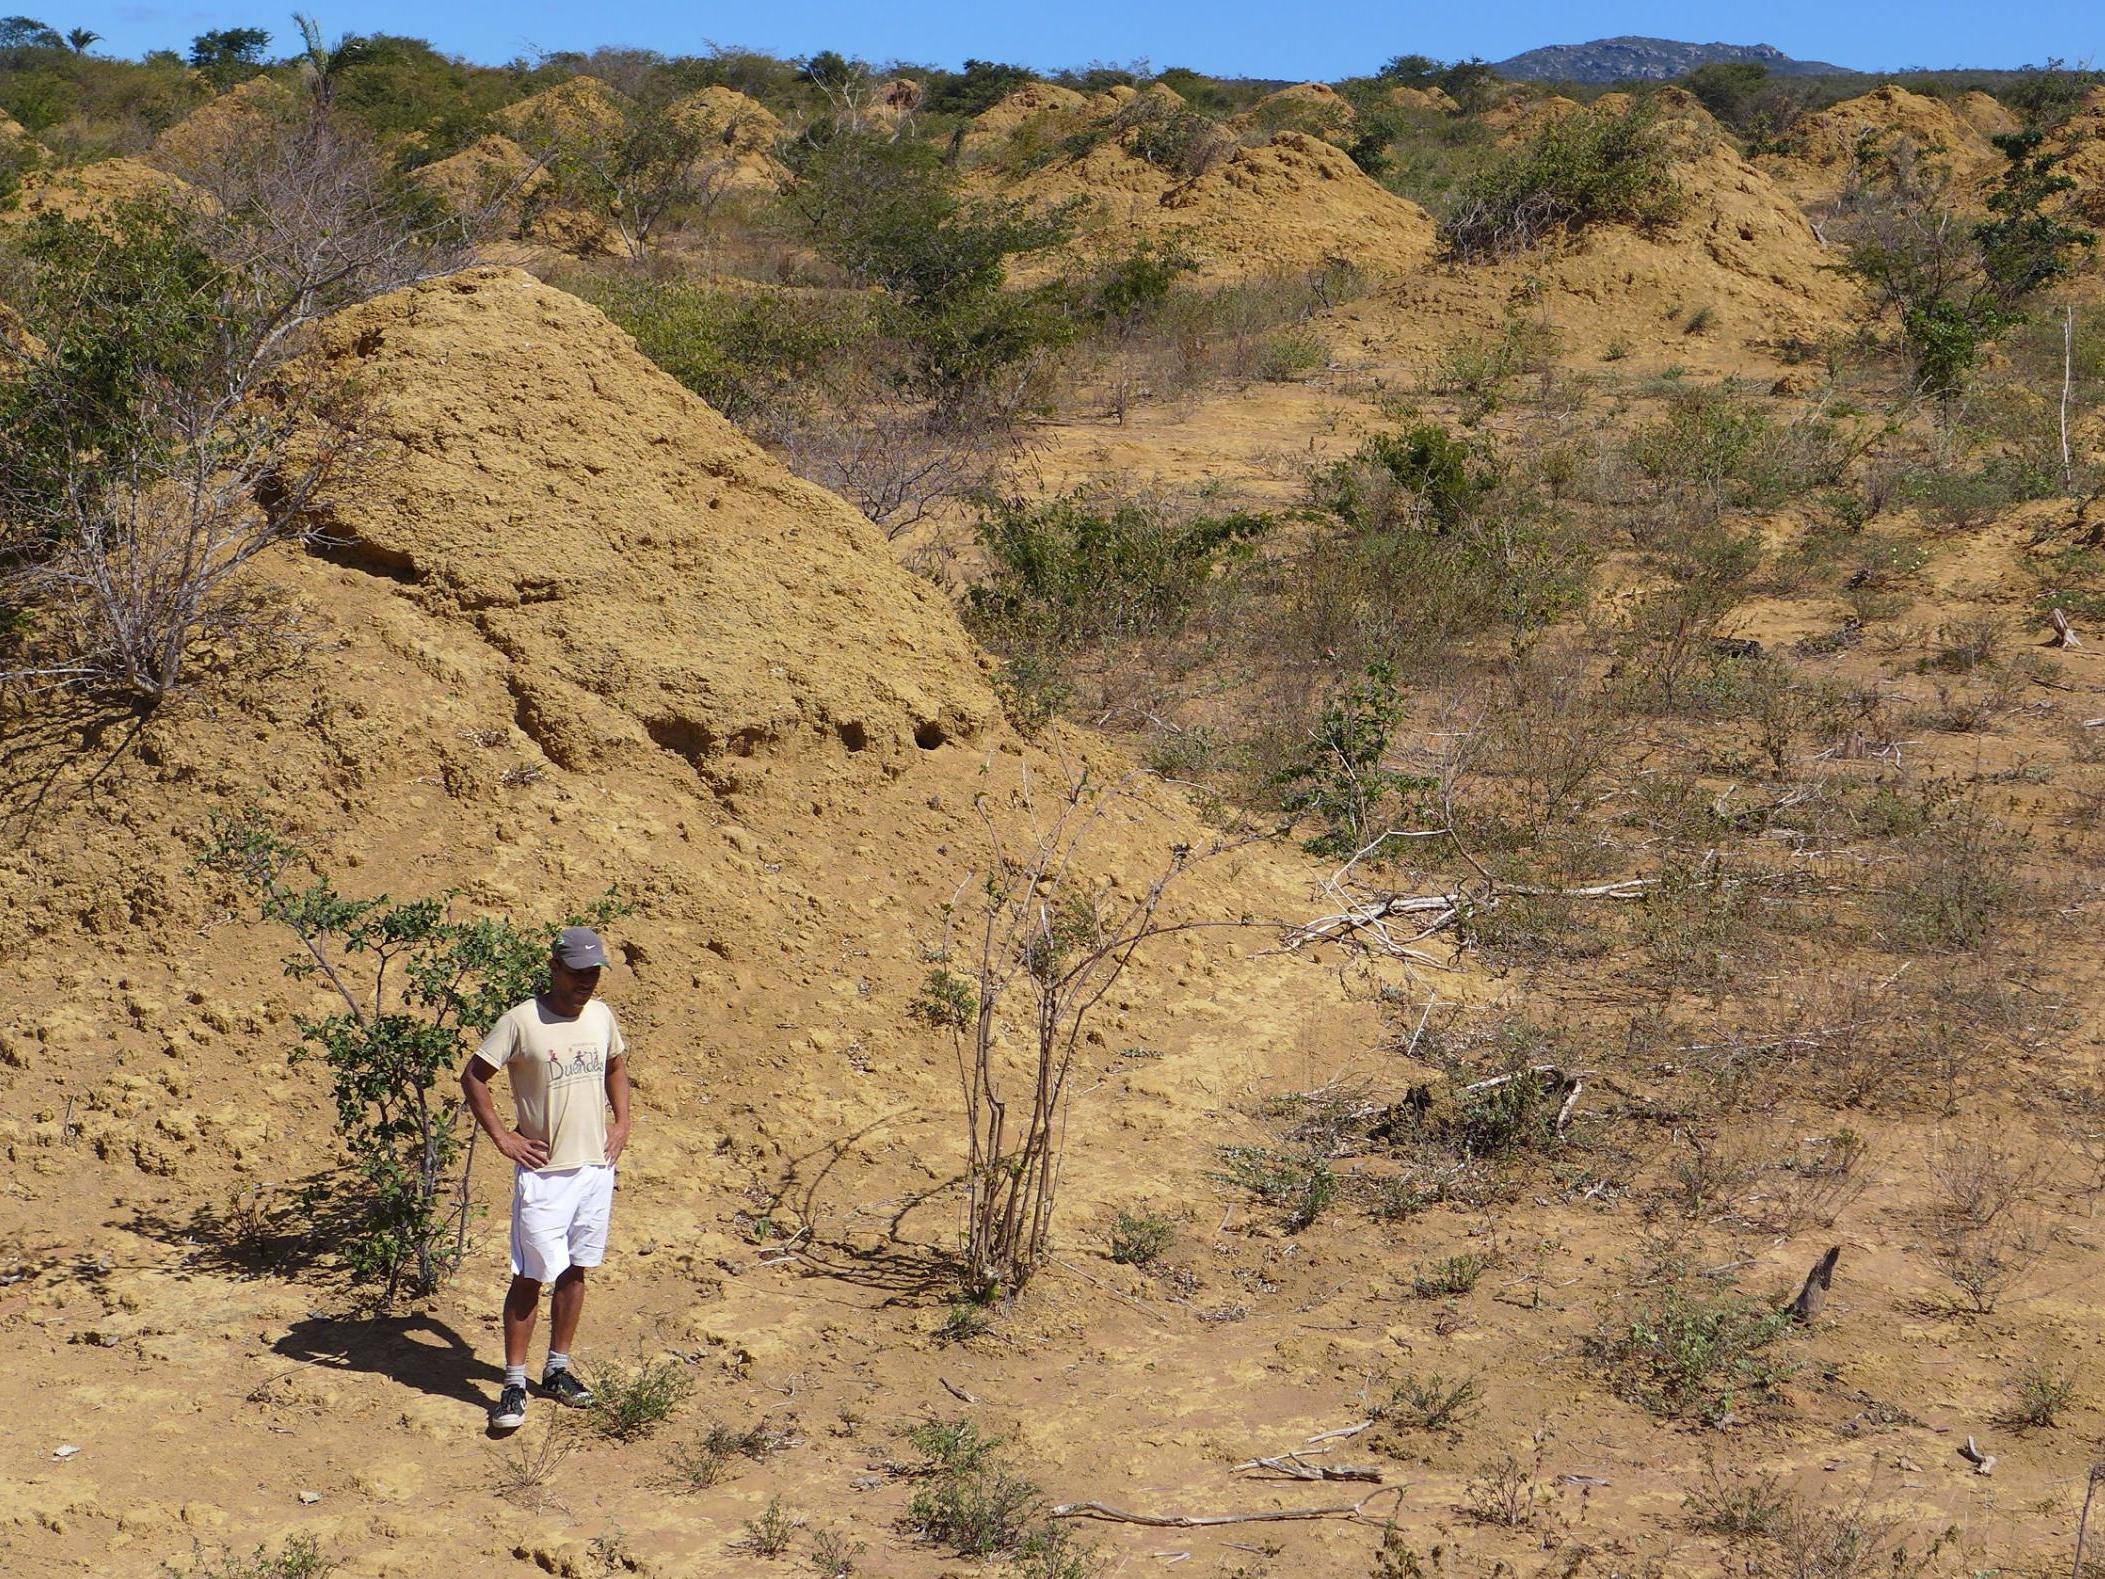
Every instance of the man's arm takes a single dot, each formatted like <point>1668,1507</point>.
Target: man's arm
<point>618,1100</point>
<point>475,1086</point>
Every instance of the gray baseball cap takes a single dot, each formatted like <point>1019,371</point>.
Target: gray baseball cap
<point>580,948</point>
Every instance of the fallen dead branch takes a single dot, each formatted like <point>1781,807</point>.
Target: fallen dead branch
<point>1195,1521</point>
<point>1294,1466</point>
<point>1371,918</point>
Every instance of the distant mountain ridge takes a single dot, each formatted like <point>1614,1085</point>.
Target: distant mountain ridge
<point>1630,59</point>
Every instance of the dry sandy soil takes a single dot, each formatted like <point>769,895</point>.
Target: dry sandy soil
<point>580,633</point>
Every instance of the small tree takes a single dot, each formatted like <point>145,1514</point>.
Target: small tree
<point>1343,778</point>
<point>1957,288</point>
<point>652,166</point>
<point>425,983</point>
<point>1043,934</point>
<point>228,55</point>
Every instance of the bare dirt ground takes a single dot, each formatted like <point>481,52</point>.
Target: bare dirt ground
<point>584,634</point>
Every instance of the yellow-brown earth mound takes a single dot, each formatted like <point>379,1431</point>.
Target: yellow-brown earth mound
<point>1310,107</point>
<point>1742,266</point>
<point>88,190</point>
<point>1887,124</point>
<point>577,105</point>
<point>1282,206</point>
<point>576,632</point>
<point>217,129</point>
<point>742,135</point>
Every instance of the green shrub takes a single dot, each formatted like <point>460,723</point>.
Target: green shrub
<point>630,1402</point>
<point>436,981</point>
<point>1302,1183</point>
<point>1715,441</point>
<point>1694,1354</point>
<point>1589,168</point>
<point>1089,566</point>
<point>1456,1274</point>
<point>772,1533</point>
<point>968,1499</point>
<point>1433,1403</point>
<point>299,1558</point>
<point>743,351</point>
<point>1422,475</point>
<point>1292,354</point>
<point>1341,778</point>
<point>1139,1238</point>
<point>2040,1391</point>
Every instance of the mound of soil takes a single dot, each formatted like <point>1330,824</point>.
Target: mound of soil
<point>791,630</point>
<point>1889,124</point>
<point>1741,267</point>
<point>215,129</point>
<point>743,134</point>
<point>1279,207</point>
<point>85,191</point>
<point>576,105</point>
<point>1310,107</point>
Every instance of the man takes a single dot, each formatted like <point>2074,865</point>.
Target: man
<point>568,1066</point>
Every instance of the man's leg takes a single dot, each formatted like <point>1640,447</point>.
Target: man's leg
<point>565,1305</point>
<point>522,1307</point>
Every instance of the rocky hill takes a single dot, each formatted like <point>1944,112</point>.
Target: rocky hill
<point>1634,59</point>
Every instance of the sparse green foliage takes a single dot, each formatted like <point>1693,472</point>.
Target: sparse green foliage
<point>969,1500</point>
<point>1432,1403</point>
<point>948,1001</point>
<point>1420,477</point>
<point>1588,168</point>
<point>1694,1353</point>
<point>1301,1183</point>
<point>833,1555</point>
<point>1736,1504</point>
<point>299,1558</point>
<point>1455,1274</point>
<point>425,982</point>
<point>632,1401</point>
<point>1343,780</point>
<point>1139,1238</point>
<point>772,1534</point>
<point>1090,566</point>
<point>2040,1390</point>
<point>1504,1492</point>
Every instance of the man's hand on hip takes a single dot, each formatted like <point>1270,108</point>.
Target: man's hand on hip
<point>526,1153</point>
<point>617,1140</point>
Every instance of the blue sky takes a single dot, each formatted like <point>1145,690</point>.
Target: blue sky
<point>1268,38</point>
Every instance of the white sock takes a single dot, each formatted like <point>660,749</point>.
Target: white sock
<point>556,1362</point>
<point>515,1376</point>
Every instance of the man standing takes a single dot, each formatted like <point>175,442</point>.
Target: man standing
<point>568,1066</point>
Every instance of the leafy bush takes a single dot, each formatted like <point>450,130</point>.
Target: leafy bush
<point>772,1533</point>
<point>1300,1182</point>
<point>1089,566</point>
<point>630,1402</point>
<point>1341,778</point>
<point>1590,168</point>
<point>743,351</point>
<point>887,210</point>
<point>299,1558</point>
<point>1456,1274</point>
<point>1694,1354</point>
<point>1714,441</point>
<point>1139,1238</point>
<point>969,1500</point>
<point>1422,475</point>
<point>1292,354</point>
<point>1432,1403</point>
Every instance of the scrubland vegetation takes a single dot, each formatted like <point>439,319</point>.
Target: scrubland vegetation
<point>1668,696</point>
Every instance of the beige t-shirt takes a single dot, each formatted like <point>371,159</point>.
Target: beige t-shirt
<point>559,1077</point>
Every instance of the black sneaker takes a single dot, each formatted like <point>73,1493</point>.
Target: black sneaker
<point>510,1413</point>
<point>564,1387</point>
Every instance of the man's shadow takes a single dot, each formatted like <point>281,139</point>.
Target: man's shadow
<point>416,1351</point>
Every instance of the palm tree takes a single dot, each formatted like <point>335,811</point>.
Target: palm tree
<point>322,64</point>
<point>81,37</point>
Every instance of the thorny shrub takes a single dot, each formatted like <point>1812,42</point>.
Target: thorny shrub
<point>1588,168</point>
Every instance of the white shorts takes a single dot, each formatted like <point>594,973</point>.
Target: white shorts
<point>559,1220</point>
